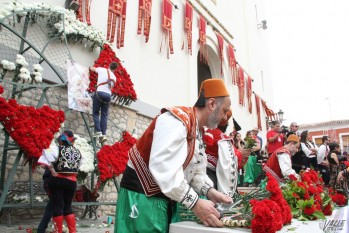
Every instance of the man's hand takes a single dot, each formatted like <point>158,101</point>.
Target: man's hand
<point>205,211</point>
<point>218,197</point>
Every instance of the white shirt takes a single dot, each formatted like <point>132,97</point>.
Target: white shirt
<point>322,153</point>
<point>286,165</point>
<point>307,151</point>
<point>168,153</point>
<point>103,77</point>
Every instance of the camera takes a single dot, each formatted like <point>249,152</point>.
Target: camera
<point>284,129</point>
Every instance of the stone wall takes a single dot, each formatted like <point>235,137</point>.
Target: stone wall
<point>120,119</point>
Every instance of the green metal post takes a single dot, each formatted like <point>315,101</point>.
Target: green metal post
<point>10,179</point>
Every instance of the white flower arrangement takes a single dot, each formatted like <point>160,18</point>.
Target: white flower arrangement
<point>21,60</point>
<point>72,26</point>
<point>87,153</point>
<point>37,77</point>
<point>7,65</point>
<point>24,74</point>
<point>38,68</point>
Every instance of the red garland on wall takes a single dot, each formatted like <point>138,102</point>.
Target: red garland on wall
<point>112,160</point>
<point>31,128</point>
<point>202,39</point>
<point>220,46</point>
<point>249,93</point>
<point>188,26</point>
<point>258,110</point>
<point>167,27</point>
<point>232,63</point>
<point>123,91</point>
<point>241,86</point>
<point>116,21</point>
<point>144,16</point>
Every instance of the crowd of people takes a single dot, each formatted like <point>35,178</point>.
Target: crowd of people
<point>186,157</point>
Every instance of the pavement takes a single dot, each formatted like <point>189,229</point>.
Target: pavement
<point>86,225</point>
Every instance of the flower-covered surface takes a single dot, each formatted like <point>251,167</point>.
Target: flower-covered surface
<point>31,128</point>
<point>73,28</point>
<point>86,150</point>
<point>123,88</point>
<point>112,160</point>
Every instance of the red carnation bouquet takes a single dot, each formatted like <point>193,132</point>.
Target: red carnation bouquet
<point>308,198</point>
<point>112,160</point>
<point>264,209</point>
<point>123,91</point>
<point>31,128</point>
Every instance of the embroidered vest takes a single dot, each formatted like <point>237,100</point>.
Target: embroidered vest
<point>68,161</point>
<point>139,154</point>
<point>272,166</point>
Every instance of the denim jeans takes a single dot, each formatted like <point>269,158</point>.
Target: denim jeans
<point>101,104</point>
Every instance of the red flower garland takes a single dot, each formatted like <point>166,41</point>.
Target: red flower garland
<point>124,86</point>
<point>31,128</point>
<point>112,160</point>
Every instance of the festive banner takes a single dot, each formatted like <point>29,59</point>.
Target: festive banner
<point>220,46</point>
<point>84,7</point>
<point>202,40</point>
<point>268,112</point>
<point>78,82</point>
<point>144,13</point>
<point>241,86</point>
<point>87,11</point>
<point>258,109</point>
<point>232,63</point>
<point>188,26</point>
<point>167,27</point>
<point>249,93</point>
<point>116,21</point>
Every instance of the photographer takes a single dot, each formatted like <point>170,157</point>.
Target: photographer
<point>275,137</point>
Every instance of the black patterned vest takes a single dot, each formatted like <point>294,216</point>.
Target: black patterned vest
<point>68,161</point>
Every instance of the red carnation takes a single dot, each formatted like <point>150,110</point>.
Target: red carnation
<point>1,90</point>
<point>309,210</point>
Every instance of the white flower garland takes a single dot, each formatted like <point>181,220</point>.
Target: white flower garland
<point>86,151</point>
<point>71,24</point>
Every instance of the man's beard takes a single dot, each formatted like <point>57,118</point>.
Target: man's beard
<point>213,119</point>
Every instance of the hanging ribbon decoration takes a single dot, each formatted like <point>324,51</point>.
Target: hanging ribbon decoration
<point>249,93</point>
<point>268,112</point>
<point>81,14</point>
<point>188,26</point>
<point>116,21</point>
<point>202,40</point>
<point>258,109</point>
<point>167,27</point>
<point>144,13</point>
<point>220,46</point>
<point>241,86</point>
<point>232,63</point>
<point>87,11</point>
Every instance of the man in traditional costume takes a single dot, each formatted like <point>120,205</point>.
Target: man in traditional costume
<point>279,164</point>
<point>222,159</point>
<point>168,163</point>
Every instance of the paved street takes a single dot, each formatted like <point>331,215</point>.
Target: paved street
<point>83,226</point>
